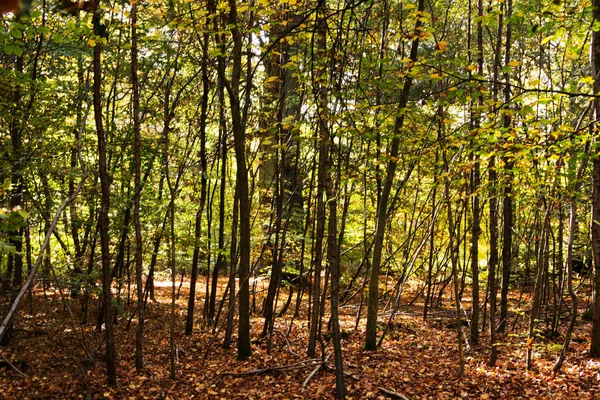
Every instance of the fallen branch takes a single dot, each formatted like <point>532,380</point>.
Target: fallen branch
<point>314,371</point>
<point>13,367</point>
<point>270,369</point>
<point>393,394</point>
<point>287,342</point>
<point>346,373</point>
<point>15,305</point>
<point>36,332</point>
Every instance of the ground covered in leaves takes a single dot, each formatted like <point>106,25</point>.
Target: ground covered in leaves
<point>46,358</point>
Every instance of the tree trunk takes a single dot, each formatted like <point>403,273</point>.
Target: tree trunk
<point>454,253</point>
<point>239,139</point>
<point>139,332</point>
<point>372,307</point>
<point>333,258</point>
<point>539,285</point>
<point>220,263</point>
<point>595,225</point>
<point>322,134</point>
<point>232,270</point>
<point>493,262</point>
<point>103,219</point>
<point>569,261</point>
<point>507,204</point>
<point>17,160</point>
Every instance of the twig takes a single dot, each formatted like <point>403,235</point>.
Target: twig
<point>393,394</point>
<point>314,372</point>
<point>13,367</point>
<point>269,369</point>
<point>287,342</point>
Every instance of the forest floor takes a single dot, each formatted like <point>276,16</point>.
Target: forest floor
<point>418,359</point>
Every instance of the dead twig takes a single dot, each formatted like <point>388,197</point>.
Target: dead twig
<point>392,394</point>
<point>15,304</point>
<point>287,342</point>
<point>270,369</point>
<point>13,367</point>
<point>314,371</point>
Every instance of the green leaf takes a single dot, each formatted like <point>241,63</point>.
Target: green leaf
<point>16,33</point>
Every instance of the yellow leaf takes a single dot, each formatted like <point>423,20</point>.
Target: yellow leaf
<point>472,67</point>
<point>272,79</point>
<point>442,45</point>
<point>91,42</point>
<point>514,63</point>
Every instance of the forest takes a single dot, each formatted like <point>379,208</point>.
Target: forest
<point>248,199</point>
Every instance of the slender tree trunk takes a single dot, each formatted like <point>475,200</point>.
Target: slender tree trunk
<point>15,259</point>
<point>189,323</point>
<point>276,270</point>
<point>454,250</point>
<point>333,258</point>
<point>475,230</point>
<point>232,270</point>
<point>322,175</point>
<point>573,320</point>
<point>595,344</point>
<point>103,219</point>
<point>493,262</point>
<point>493,201</point>
<point>595,225</point>
<point>371,334</point>
<point>318,250</point>
<point>139,332</point>
<point>239,139</point>
<point>507,207</point>
<point>539,285</point>
<point>173,266</point>
<point>430,257</point>
<point>220,263</point>
<point>476,180</point>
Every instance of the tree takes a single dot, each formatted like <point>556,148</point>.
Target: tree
<point>595,226</point>
<point>382,206</point>
<point>189,325</point>
<point>239,139</point>
<point>139,360</point>
<point>103,218</point>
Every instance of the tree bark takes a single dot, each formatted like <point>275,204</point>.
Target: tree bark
<point>239,139</point>
<point>595,223</point>
<point>103,219</point>
<point>507,203</point>
<point>139,332</point>
<point>322,134</point>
